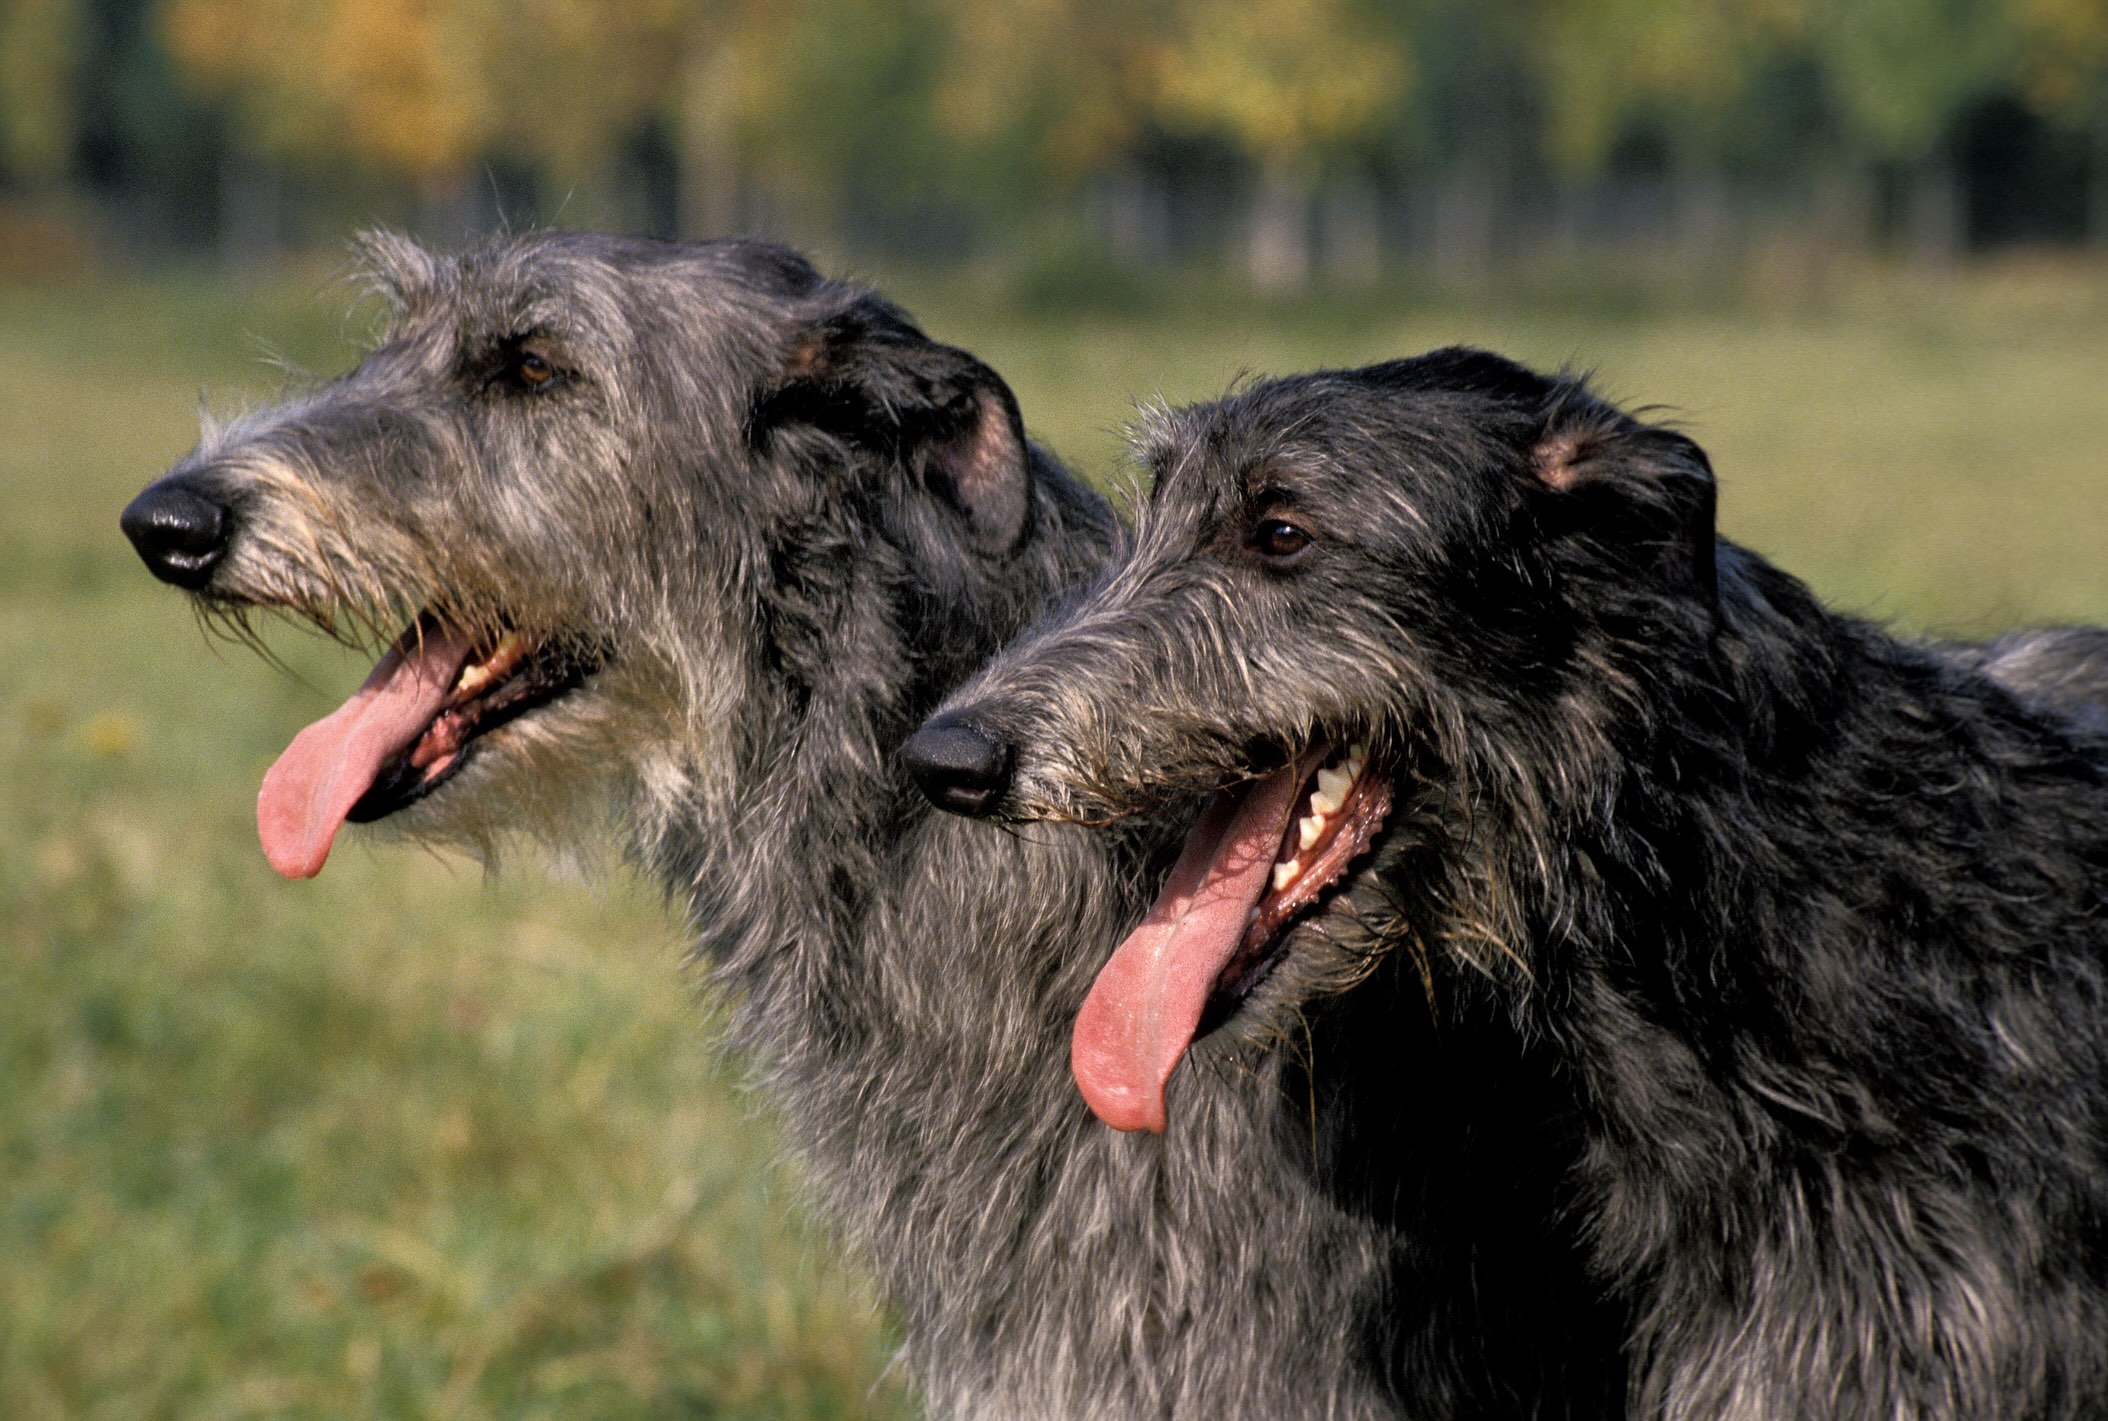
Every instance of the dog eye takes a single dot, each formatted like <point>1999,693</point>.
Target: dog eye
<point>1279,539</point>
<point>532,372</point>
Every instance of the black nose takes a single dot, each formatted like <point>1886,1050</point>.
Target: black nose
<point>960,768</point>
<point>178,531</point>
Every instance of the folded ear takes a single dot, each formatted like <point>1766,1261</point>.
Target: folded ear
<point>1648,488</point>
<point>863,372</point>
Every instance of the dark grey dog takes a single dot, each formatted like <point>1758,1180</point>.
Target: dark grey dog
<point>1813,922</point>
<point>687,540</point>
<point>2063,669</point>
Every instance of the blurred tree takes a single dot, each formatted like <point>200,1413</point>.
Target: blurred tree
<point>2064,72</point>
<point>39,49</point>
<point>388,84</point>
<point>726,90</point>
<point>147,147</point>
<point>425,89</point>
<point>1063,88</point>
<point>1470,129</point>
<point>1900,74</point>
<point>852,129</point>
<point>562,85</point>
<point>930,122</point>
<point>390,88</point>
<point>1290,82</point>
<point>1681,75</point>
<point>1602,64</point>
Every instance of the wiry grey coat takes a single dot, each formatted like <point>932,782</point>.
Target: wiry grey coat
<point>755,524</point>
<point>1813,922</point>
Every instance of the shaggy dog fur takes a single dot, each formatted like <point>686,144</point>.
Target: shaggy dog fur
<point>2062,669</point>
<point>712,534</point>
<point>1812,922</point>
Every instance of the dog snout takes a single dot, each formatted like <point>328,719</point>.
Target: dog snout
<point>179,530</point>
<point>960,767</point>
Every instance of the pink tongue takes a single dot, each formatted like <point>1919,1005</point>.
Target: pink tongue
<point>329,765</point>
<point>1145,1006</point>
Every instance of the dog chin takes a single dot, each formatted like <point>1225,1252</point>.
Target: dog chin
<point>538,783</point>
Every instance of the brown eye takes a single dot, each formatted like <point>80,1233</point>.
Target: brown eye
<point>1279,539</point>
<point>532,371</point>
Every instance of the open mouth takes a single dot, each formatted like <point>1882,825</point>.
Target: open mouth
<point>1338,811</point>
<point>412,727</point>
<point>1261,857</point>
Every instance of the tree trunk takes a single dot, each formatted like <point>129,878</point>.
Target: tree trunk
<point>1842,221</point>
<point>1703,217</point>
<point>251,202</point>
<point>1277,246</point>
<point>1466,211</point>
<point>1354,233</point>
<point>1934,229</point>
<point>1137,217</point>
<point>2097,187</point>
<point>447,211</point>
<point>708,182</point>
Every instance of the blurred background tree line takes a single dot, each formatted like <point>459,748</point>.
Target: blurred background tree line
<point>1288,140</point>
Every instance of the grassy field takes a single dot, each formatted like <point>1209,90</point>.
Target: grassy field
<point>404,1143</point>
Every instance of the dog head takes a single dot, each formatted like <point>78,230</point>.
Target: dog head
<point>1355,600</point>
<point>605,505</point>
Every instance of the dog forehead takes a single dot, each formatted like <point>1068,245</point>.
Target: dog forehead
<point>584,283</point>
<point>1298,434</point>
<point>594,293</point>
<point>1203,450</point>
<point>559,291</point>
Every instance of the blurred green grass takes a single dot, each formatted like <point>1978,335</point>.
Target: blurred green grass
<point>402,1142</point>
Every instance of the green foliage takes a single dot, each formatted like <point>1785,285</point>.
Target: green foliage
<point>2064,61</point>
<point>1284,79</point>
<point>1473,126</point>
<point>831,107</point>
<point>1607,65</point>
<point>1901,69</point>
<point>38,110</point>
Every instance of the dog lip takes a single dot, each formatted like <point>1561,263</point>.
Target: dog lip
<point>1359,821</point>
<point>530,674</point>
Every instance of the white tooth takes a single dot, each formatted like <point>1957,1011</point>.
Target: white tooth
<point>1308,829</point>
<point>473,679</point>
<point>1285,873</point>
<point>1330,793</point>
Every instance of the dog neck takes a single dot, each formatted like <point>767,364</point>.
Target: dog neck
<point>1762,936</point>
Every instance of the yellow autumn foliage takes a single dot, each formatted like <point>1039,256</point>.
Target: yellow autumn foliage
<point>38,45</point>
<point>1282,78</point>
<point>1601,58</point>
<point>389,83</point>
<point>2065,62</point>
<point>1077,75</point>
<point>424,88</point>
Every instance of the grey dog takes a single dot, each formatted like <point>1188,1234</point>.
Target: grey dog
<point>685,540</point>
<point>1814,921</point>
